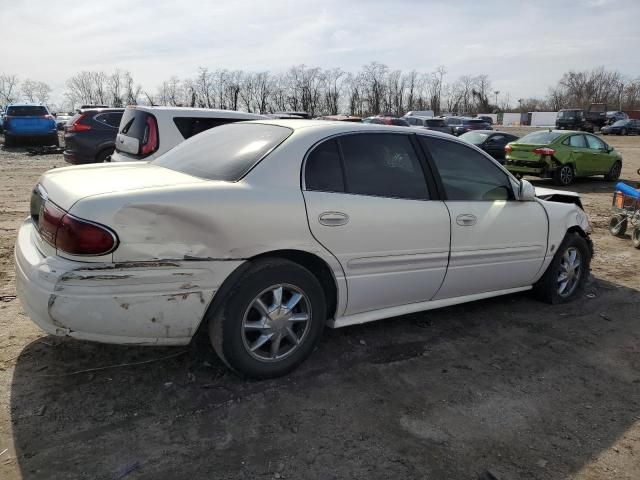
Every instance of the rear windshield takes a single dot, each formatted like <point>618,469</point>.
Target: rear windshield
<point>224,153</point>
<point>27,111</point>
<point>539,138</point>
<point>434,123</point>
<point>133,123</point>
<point>474,122</point>
<point>474,137</point>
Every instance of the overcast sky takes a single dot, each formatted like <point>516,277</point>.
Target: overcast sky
<point>524,46</point>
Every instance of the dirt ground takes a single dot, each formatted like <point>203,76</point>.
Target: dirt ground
<point>507,388</point>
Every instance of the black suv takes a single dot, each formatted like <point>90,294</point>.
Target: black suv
<point>90,135</point>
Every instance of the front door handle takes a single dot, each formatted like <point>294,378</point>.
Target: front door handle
<point>466,220</point>
<point>333,219</point>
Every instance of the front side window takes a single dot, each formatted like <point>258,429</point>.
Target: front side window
<point>595,143</point>
<point>467,174</point>
<point>323,171</point>
<point>383,165</point>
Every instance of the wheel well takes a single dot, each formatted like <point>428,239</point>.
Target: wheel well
<point>583,234</point>
<point>311,262</point>
<point>102,150</point>
<point>315,265</point>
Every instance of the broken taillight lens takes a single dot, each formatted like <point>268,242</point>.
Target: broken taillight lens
<point>73,235</point>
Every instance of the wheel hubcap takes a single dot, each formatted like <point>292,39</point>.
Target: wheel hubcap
<point>566,174</point>
<point>276,322</point>
<point>570,272</point>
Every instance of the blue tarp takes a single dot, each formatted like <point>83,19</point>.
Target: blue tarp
<point>627,190</point>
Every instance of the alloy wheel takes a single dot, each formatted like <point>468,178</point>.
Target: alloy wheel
<point>566,175</point>
<point>276,322</point>
<point>570,272</point>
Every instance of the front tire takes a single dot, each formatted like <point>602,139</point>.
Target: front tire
<point>564,175</point>
<point>271,320</point>
<point>614,174</point>
<point>567,273</point>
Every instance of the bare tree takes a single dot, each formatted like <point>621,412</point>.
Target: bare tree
<point>8,88</point>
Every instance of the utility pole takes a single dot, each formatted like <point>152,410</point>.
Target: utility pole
<point>497,92</point>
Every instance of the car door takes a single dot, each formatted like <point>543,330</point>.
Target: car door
<point>599,160</point>
<point>369,204</point>
<point>580,154</point>
<point>497,243</point>
<point>494,146</point>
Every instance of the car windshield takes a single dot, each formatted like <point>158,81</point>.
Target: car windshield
<point>540,138</point>
<point>224,153</point>
<point>474,137</point>
<point>567,114</point>
<point>620,123</point>
<point>27,111</point>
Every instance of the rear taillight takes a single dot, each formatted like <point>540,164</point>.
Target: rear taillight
<point>150,139</point>
<point>48,117</point>
<point>73,235</point>
<point>508,148</point>
<point>76,126</point>
<point>544,151</point>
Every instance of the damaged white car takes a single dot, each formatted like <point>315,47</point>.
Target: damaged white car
<point>263,232</point>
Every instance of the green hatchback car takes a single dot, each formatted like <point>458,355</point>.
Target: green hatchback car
<point>562,155</point>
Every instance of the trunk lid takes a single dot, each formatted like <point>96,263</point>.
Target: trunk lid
<point>65,186</point>
<point>523,152</point>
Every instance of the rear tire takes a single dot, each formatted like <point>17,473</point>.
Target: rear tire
<point>564,175</point>
<point>635,237</point>
<point>564,279</point>
<point>102,155</point>
<point>618,225</point>
<point>254,309</point>
<point>614,174</point>
<point>8,141</point>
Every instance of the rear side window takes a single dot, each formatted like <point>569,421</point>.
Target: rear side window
<point>577,141</point>
<point>190,126</point>
<point>435,123</point>
<point>27,111</point>
<point>323,171</point>
<point>383,165</point>
<point>225,153</point>
<point>467,174</point>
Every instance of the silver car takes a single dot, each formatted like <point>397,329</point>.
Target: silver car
<point>264,232</point>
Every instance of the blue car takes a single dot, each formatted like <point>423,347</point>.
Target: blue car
<point>28,121</point>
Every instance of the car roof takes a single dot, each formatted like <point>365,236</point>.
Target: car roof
<point>193,111</point>
<point>331,127</point>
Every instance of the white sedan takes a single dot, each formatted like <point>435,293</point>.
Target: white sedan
<point>265,231</point>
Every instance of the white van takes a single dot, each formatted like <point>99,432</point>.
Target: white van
<point>147,132</point>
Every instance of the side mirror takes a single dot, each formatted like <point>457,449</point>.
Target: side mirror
<point>527,191</point>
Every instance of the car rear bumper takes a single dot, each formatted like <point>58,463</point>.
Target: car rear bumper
<point>145,303</point>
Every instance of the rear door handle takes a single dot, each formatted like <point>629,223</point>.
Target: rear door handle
<point>466,220</point>
<point>333,219</point>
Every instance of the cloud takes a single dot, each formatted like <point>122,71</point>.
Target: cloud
<point>523,46</point>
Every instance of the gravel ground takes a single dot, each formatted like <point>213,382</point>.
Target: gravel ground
<point>507,388</point>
